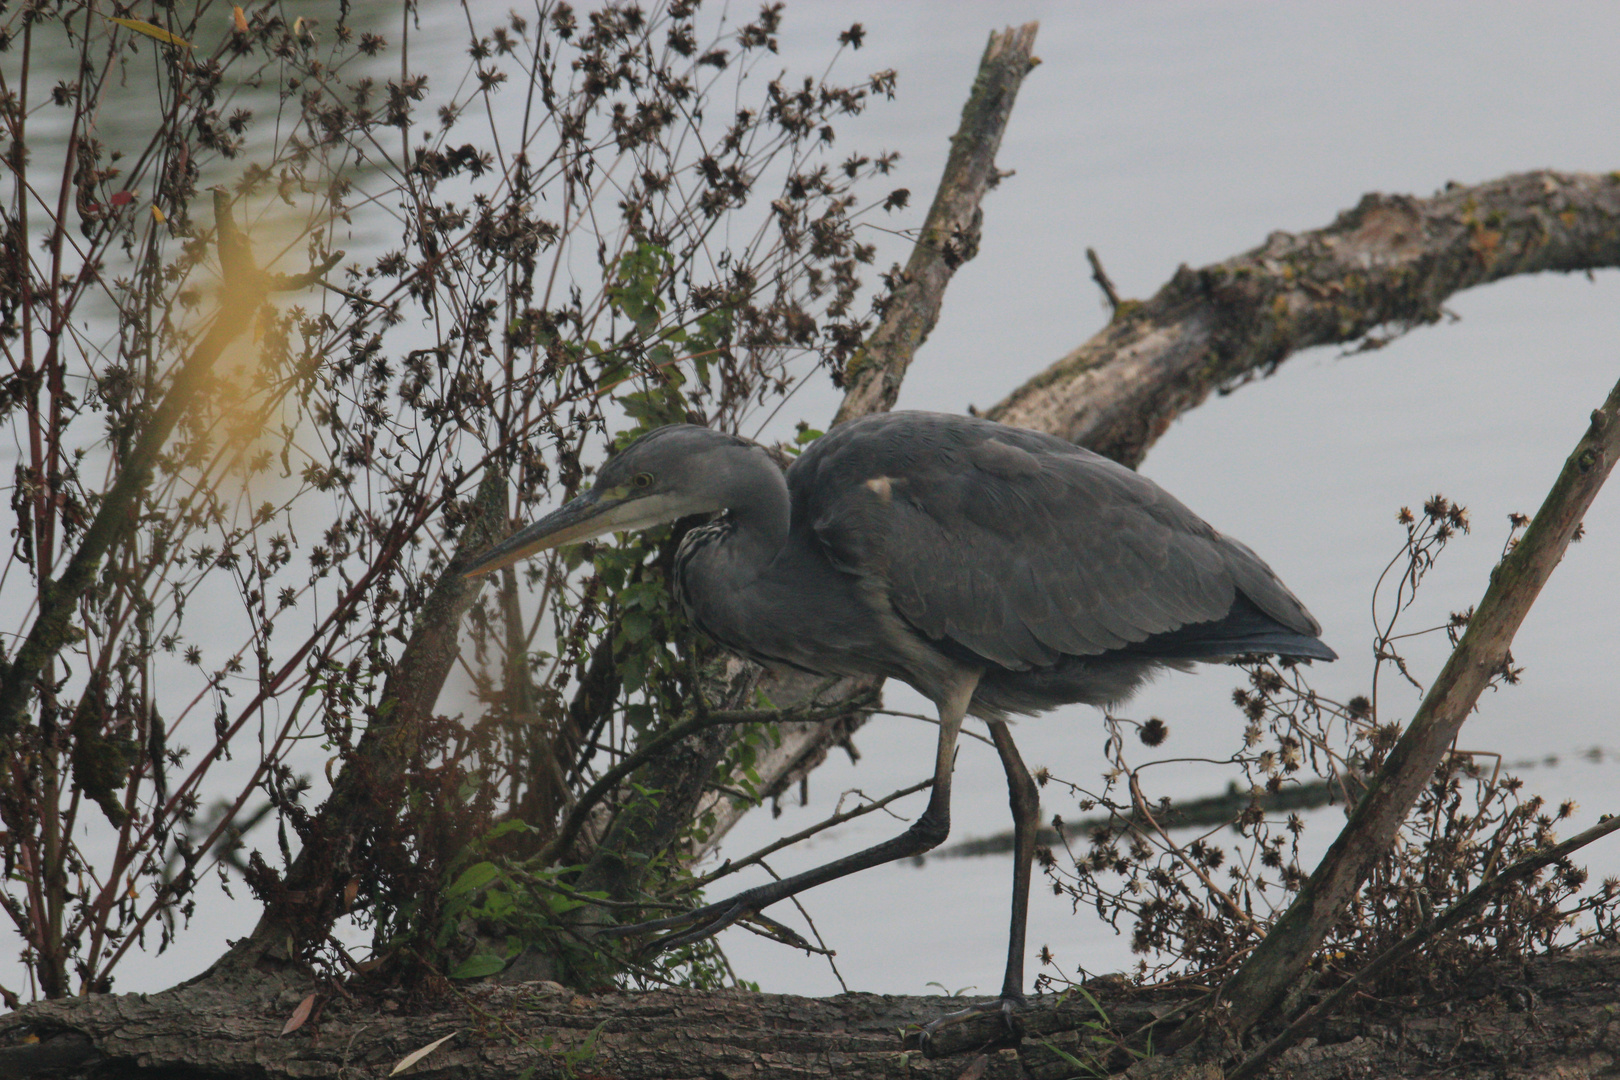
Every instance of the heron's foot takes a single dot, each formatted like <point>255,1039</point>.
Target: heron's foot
<point>694,925</point>
<point>946,1035</point>
<point>707,921</point>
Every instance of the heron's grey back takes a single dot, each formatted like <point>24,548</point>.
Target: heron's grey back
<point>1016,545</point>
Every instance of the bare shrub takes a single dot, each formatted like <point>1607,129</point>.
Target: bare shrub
<point>1195,905</point>
<point>587,223</point>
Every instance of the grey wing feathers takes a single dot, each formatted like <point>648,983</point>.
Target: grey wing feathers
<point>1018,546</point>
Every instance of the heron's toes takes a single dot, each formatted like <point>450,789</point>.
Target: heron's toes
<point>709,920</point>
<point>955,1032</point>
<point>1010,1004</point>
<point>705,922</point>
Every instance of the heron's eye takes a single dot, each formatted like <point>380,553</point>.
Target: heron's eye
<point>642,479</point>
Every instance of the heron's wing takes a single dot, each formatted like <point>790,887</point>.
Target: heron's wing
<point>1018,546</point>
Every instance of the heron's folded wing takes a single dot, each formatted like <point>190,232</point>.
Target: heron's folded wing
<point>1022,548</point>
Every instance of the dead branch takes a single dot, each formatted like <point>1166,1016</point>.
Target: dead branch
<point>1386,265</point>
<point>950,234</point>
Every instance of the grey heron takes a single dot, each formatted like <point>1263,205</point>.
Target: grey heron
<point>998,571</point>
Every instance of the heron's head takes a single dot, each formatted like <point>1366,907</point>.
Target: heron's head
<point>668,473</point>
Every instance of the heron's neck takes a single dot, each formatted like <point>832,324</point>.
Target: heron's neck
<point>756,497</point>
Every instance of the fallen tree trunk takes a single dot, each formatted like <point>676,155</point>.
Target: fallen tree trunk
<point>1552,1016</point>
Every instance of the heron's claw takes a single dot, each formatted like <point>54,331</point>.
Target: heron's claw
<point>694,925</point>
<point>705,922</point>
<point>930,1040</point>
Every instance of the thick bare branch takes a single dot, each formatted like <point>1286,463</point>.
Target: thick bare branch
<point>950,234</point>
<point>1382,267</point>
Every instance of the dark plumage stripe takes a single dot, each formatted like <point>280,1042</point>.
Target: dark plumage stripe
<point>695,540</point>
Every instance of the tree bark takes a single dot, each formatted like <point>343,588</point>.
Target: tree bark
<point>1550,1017</point>
<point>1383,267</point>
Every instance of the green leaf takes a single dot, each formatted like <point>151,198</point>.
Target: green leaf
<point>474,877</point>
<point>506,827</point>
<point>558,903</point>
<point>476,967</point>
<point>632,670</point>
<point>635,626</point>
<point>498,902</point>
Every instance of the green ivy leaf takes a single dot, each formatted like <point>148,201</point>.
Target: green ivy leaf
<point>635,626</point>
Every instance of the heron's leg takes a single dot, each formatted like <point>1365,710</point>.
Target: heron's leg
<point>1026,808</point>
<point>928,831</point>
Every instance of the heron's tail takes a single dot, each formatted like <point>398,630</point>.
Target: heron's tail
<point>1245,629</point>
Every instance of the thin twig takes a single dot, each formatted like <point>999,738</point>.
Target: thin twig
<point>646,752</point>
<point>825,951</point>
<point>1104,282</point>
<point>1141,806</point>
<point>966,734</point>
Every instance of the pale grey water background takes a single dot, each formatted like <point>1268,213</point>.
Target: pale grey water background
<point>1170,133</point>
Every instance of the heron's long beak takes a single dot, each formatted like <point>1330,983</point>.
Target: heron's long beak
<point>589,515</point>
